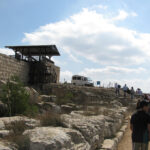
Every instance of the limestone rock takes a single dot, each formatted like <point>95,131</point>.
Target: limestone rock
<point>92,128</point>
<point>119,136</point>
<point>49,106</point>
<point>48,98</point>
<point>4,133</point>
<point>67,108</point>
<point>113,121</point>
<point>115,103</point>
<point>5,146</point>
<point>34,95</point>
<point>109,144</point>
<point>50,138</point>
<point>29,122</point>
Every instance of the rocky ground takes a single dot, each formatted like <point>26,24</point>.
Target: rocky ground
<point>92,125</point>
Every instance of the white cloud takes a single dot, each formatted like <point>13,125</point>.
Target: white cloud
<point>110,70</point>
<point>113,73</point>
<point>98,39</point>
<point>116,47</point>
<point>134,14</point>
<point>121,16</point>
<point>65,76</point>
<point>58,63</point>
<point>99,7</point>
<point>6,51</point>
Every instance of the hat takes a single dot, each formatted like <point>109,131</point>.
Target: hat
<point>143,103</point>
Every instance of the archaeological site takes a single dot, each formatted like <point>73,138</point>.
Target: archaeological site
<point>67,116</point>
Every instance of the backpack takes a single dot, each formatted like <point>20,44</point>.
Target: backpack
<point>128,91</point>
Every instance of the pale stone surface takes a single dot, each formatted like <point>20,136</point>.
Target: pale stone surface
<point>92,128</point>
<point>96,128</point>
<point>67,108</point>
<point>119,135</point>
<point>48,98</point>
<point>4,146</point>
<point>49,106</point>
<point>29,122</point>
<point>4,133</point>
<point>109,144</point>
<point>50,138</point>
<point>115,103</point>
<point>123,128</point>
<point>34,95</point>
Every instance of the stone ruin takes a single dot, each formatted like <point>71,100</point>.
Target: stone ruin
<point>32,64</point>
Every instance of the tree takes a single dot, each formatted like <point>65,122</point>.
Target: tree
<point>15,96</point>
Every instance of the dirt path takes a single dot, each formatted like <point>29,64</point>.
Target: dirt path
<point>126,143</point>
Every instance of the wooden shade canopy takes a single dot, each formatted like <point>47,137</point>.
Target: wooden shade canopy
<point>36,50</point>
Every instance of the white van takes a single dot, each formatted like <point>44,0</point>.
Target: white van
<point>81,81</point>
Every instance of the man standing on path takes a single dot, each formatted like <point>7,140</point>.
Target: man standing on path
<point>132,93</point>
<point>140,126</point>
<point>117,89</point>
<point>125,89</point>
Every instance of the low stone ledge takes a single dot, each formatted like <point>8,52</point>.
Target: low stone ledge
<point>111,144</point>
<point>4,133</point>
<point>123,128</point>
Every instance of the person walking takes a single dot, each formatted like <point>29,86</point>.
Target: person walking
<point>140,127</point>
<point>125,89</point>
<point>139,92</point>
<point>116,89</point>
<point>132,92</point>
<point>119,87</point>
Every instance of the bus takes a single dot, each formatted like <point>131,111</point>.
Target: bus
<point>81,81</point>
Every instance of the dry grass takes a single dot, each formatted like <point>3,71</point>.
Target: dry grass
<point>51,119</point>
<point>16,136</point>
<point>16,127</point>
<point>22,141</point>
<point>92,111</point>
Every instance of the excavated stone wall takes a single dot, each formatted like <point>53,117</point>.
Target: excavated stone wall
<point>54,70</point>
<point>10,66</point>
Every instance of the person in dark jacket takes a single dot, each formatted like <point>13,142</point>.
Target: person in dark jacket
<point>132,92</point>
<point>140,126</point>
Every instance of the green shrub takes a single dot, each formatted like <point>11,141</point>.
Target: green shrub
<point>16,97</point>
<point>31,111</point>
<point>66,99</point>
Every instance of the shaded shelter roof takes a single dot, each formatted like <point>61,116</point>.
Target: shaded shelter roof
<point>36,50</point>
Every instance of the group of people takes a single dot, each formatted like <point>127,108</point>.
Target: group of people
<point>140,119</point>
<point>126,90</point>
<point>140,124</point>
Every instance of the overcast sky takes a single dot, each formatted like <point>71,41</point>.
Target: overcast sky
<point>106,40</point>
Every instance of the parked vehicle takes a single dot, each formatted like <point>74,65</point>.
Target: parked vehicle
<point>81,81</point>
